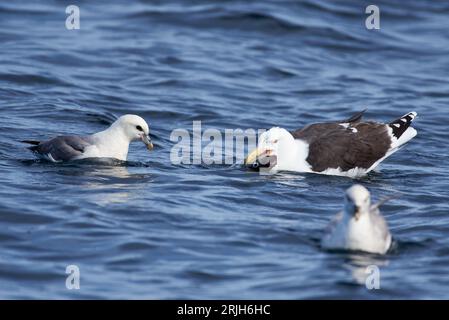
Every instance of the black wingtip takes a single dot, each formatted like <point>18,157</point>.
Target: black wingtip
<point>356,117</point>
<point>33,142</point>
<point>399,126</point>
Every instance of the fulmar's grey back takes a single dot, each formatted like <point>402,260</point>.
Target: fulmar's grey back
<point>63,148</point>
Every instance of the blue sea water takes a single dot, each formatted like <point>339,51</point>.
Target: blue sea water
<point>154,230</point>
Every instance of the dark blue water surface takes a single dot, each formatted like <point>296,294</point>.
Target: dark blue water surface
<point>152,229</point>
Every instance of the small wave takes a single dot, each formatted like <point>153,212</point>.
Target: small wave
<point>31,79</point>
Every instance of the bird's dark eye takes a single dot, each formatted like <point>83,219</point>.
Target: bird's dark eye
<point>139,128</point>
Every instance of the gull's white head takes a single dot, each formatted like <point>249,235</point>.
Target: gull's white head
<point>271,146</point>
<point>357,201</point>
<point>134,128</point>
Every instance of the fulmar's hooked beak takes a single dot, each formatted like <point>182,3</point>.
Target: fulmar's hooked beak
<point>147,140</point>
<point>357,213</point>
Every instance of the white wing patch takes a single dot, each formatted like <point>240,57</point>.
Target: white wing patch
<point>352,173</point>
<point>50,157</point>
<point>348,126</point>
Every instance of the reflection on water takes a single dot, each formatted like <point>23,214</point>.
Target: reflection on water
<point>103,181</point>
<point>107,183</point>
<point>115,185</point>
<point>360,266</point>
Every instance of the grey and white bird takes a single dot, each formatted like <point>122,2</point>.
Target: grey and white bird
<point>350,147</point>
<point>110,143</point>
<point>360,226</point>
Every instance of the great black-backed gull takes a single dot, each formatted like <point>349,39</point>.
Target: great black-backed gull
<point>350,147</point>
<point>110,143</point>
<point>360,226</point>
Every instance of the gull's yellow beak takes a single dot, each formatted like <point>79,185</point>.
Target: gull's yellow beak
<point>254,155</point>
<point>261,158</point>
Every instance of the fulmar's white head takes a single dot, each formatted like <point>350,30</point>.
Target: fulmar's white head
<point>133,128</point>
<point>276,150</point>
<point>357,201</point>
